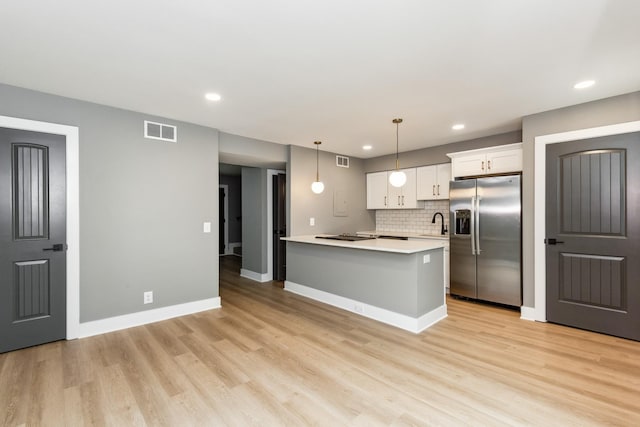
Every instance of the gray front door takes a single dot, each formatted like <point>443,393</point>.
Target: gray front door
<point>593,234</point>
<point>32,239</point>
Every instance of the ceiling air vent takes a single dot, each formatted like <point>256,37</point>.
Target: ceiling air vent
<point>160,131</point>
<point>342,161</point>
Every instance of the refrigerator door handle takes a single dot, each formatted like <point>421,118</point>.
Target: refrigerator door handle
<point>477,232</point>
<point>473,225</point>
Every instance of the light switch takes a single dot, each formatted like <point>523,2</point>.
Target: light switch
<point>206,227</point>
<point>426,259</point>
<point>312,221</point>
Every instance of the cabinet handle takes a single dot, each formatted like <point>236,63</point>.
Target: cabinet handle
<point>482,167</point>
<point>489,164</point>
<point>434,190</point>
<point>398,200</point>
<point>385,200</point>
<point>402,200</point>
<point>438,189</point>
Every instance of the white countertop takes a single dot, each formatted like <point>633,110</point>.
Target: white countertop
<point>383,245</point>
<point>404,234</point>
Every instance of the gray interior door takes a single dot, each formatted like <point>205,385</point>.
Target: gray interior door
<point>279,226</point>
<point>32,239</point>
<point>593,234</point>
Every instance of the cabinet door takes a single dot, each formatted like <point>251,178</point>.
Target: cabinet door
<point>504,161</point>
<point>403,197</point>
<point>474,164</point>
<point>409,200</point>
<point>395,195</point>
<point>426,182</point>
<point>444,176</point>
<point>377,190</point>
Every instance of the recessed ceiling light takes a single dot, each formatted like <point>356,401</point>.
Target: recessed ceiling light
<point>458,126</point>
<point>367,147</point>
<point>584,84</point>
<point>213,97</point>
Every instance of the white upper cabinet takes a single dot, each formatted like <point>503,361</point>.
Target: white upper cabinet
<point>432,182</point>
<point>487,161</point>
<point>403,197</point>
<point>382,195</point>
<point>377,197</point>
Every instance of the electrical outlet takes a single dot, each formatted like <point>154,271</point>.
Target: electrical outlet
<point>312,221</point>
<point>148,297</point>
<point>426,259</point>
<point>358,308</point>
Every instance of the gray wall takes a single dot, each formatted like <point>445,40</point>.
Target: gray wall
<point>435,155</point>
<point>142,205</point>
<point>304,204</point>
<point>243,151</point>
<point>619,109</point>
<point>234,200</point>
<point>254,221</point>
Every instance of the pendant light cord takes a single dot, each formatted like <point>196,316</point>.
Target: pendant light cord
<point>317,160</point>
<point>397,155</point>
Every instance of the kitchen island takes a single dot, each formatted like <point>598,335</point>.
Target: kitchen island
<point>398,282</point>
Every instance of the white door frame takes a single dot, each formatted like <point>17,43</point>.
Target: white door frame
<point>73,209</point>
<point>225,187</point>
<point>270,174</point>
<point>540,152</point>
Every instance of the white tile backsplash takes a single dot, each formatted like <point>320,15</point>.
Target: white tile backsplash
<point>413,220</point>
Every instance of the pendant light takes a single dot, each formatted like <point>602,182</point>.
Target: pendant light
<point>317,186</point>
<point>397,177</point>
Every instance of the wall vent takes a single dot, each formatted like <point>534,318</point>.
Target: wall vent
<point>342,161</point>
<point>160,131</point>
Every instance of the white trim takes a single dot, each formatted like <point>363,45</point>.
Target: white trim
<point>408,323</point>
<point>270,174</point>
<point>540,151</point>
<point>252,275</point>
<point>125,321</point>
<point>225,187</point>
<point>73,209</point>
<point>527,313</point>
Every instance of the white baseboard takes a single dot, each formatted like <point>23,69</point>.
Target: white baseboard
<point>258,277</point>
<point>528,313</point>
<point>117,323</point>
<point>411,324</point>
<point>231,247</point>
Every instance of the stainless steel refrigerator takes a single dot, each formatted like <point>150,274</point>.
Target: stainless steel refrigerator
<point>485,239</point>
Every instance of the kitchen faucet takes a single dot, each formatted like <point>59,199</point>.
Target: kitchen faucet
<point>443,229</point>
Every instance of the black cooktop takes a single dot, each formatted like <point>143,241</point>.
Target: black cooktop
<point>346,237</point>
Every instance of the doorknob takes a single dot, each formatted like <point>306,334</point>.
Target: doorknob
<point>552,241</point>
<point>58,247</point>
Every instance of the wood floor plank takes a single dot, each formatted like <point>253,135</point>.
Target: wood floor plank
<point>269,357</point>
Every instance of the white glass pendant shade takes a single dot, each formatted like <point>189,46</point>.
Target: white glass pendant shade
<point>397,178</point>
<point>318,187</point>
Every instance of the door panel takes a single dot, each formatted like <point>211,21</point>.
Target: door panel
<point>222,220</point>
<point>279,226</point>
<point>463,261</point>
<point>499,251</point>
<point>593,211</point>
<point>32,221</point>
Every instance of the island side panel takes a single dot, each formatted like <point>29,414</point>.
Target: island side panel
<point>430,281</point>
<point>382,279</point>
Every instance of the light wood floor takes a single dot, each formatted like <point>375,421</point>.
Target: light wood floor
<point>273,358</point>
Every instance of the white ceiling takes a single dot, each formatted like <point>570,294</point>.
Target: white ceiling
<point>295,71</point>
